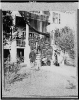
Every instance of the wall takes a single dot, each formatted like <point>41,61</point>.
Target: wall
<point>66,19</point>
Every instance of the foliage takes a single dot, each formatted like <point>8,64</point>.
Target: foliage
<point>72,54</point>
<point>7,21</point>
<point>10,70</point>
<point>64,38</point>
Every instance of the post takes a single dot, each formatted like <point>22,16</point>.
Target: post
<point>40,24</point>
<point>40,28</point>
<point>27,48</point>
<point>13,51</point>
<point>3,75</point>
<point>52,44</point>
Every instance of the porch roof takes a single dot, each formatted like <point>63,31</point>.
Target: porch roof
<point>35,16</point>
<point>26,15</point>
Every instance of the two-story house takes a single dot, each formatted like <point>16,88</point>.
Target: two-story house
<point>25,37</point>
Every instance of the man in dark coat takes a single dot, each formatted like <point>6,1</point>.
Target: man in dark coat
<point>56,59</point>
<point>32,56</point>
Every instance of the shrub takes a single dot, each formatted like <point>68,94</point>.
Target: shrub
<point>64,38</point>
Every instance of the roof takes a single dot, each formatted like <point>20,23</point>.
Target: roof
<point>28,15</point>
<point>36,16</point>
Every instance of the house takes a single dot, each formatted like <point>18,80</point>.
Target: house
<point>31,27</point>
<point>25,37</point>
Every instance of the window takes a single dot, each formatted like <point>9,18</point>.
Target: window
<point>23,34</point>
<point>30,35</point>
<point>56,18</point>
<point>59,18</point>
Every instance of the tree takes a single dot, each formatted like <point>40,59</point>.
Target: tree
<point>64,38</point>
<point>7,23</point>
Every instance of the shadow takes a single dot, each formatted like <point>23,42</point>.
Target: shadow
<point>71,85</point>
<point>19,77</point>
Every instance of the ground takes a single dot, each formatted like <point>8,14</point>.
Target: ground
<point>47,82</point>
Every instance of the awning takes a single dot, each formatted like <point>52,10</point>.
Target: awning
<point>26,15</point>
<point>35,16</point>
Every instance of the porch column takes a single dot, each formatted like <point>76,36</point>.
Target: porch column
<point>13,51</point>
<point>40,28</point>
<point>40,25</point>
<point>27,47</point>
<point>52,44</point>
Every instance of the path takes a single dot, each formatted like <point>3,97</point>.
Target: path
<point>48,81</point>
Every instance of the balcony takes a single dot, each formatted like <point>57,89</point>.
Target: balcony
<point>20,42</point>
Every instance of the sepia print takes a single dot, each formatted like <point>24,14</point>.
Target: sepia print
<point>39,54</point>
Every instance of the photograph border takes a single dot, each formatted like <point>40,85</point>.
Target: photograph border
<point>1,47</point>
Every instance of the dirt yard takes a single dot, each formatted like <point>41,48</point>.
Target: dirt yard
<point>47,82</point>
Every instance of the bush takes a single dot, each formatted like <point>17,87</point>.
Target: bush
<point>69,62</point>
<point>64,38</point>
<point>72,54</point>
<point>10,70</point>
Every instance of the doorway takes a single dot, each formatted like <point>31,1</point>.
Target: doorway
<point>20,54</point>
<point>6,54</point>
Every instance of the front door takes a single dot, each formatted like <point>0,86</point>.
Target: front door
<point>20,54</point>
